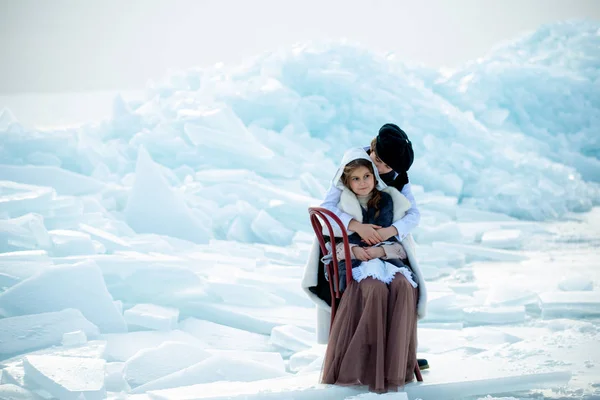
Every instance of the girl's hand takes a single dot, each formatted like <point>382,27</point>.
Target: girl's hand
<point>386,233</point>
<point>368,232</point>
<point>375,252</point>
<point>360,253</point>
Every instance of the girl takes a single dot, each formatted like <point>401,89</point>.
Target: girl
<point>373,337</point>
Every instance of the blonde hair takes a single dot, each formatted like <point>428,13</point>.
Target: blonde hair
<point>373,144</point>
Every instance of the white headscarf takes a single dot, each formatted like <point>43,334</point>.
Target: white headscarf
<point>351,155</point>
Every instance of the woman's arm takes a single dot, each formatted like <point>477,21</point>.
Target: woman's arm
<point>411,219</point>
<point>368,232</point>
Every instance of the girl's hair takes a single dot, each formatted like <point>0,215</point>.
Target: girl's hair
<point>361,162</point>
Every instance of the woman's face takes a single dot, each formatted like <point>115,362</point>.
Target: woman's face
<point>361,181</point>
<point>382,167</point>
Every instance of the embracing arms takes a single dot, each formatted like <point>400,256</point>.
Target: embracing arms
<point>373,234</point>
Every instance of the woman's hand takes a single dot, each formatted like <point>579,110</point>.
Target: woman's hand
<point>360,253</point>
<point>386,233</point>
<point>368,232</point>
<point>375,252</point>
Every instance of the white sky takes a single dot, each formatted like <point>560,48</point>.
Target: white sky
<point>77,45</point>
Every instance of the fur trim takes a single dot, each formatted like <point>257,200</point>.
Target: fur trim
<point>401,203</point>
<point>350,204</point>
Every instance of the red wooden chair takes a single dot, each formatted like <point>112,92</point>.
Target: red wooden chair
<point>319,213</point>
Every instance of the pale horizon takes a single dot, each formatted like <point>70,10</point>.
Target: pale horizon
<point>69,46</point>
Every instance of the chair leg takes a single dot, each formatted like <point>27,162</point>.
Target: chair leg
<point>418,373</point>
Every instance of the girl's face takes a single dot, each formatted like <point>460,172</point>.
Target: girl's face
<point>382,167</point>
<point>361,181</point>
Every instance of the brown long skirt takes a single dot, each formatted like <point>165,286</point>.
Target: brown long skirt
<point>373,339</point>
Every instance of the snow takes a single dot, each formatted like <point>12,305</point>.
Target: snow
<point>150,364</point>
<point>504,239</point>
<point>572,303</point>
<point>67,377</point>
<point>523,80</point>
<point>33,331</point>
<point>70,243</point>
<point>17,198</point>
<point>303,359</point>
<point>14,392</point>
<point>152,317</point>
<point>157,254</point>
<point>14,371</point>
<point>214,369</point>
<point>80,286</point>
<point>292,338</point>
<point>273,359</point>
<point>225,337</point>
<point>123,346</point>
<point>18,265</point>
<point>257,320</point>
<point>63,181</point>
<point>399,396</point>
<point>472,252</point>
<point>153,207</point>
<point>494,315</point>
<point>114,377</point>
<point>304,388</point>
<point>25,232</point>
<point>110,242</point>
<point>74,338</point>
<point>576,283</point>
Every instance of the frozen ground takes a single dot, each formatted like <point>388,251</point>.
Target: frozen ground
<point>496,318</point>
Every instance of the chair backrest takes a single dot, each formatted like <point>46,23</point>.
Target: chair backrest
<point>319,213</point>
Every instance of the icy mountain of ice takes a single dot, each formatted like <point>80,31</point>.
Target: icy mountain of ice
<point>545,85</point>
<point>526,115</point>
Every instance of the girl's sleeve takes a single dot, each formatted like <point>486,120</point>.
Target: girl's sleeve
<point>339,251</point>
<point>411,219</point>
<point>394,251</point>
